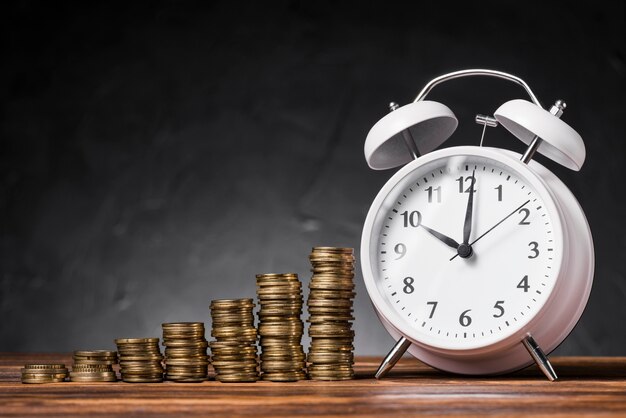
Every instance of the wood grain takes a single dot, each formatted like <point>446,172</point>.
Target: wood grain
<point>587,386</point>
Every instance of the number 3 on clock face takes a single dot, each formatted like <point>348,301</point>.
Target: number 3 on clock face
<point>487,292</point>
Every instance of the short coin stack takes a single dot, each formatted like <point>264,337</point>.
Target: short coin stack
<point>44,373</point>
<point>140,360</point>
<point>94,366</point>
<point>185,352</point>
<point>330,314</point>
<point>234,353</point>
<point>280,327</point>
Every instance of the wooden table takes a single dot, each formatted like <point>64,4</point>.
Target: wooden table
<point>587,385</point>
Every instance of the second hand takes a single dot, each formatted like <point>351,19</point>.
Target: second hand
<point>490,229</point>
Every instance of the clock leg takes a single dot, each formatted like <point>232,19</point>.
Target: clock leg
<point>392,358</point>
<point>540,357</point>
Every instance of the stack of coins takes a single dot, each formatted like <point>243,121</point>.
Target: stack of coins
<point>44,373</point>
<point>234,353</point>
<point>94,366</point>
<point>185,352</point>
<point>140,360</point>
<point>280,327</point>
<point>330,314</point>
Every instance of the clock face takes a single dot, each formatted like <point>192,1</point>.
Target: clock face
<point>457,284</point>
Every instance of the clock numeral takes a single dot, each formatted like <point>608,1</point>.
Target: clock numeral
<point>499,189</point>
<point>499,307</point>
<point>432,311</point>
<point>413,219</point>
<point>464,319</point>
<point>534,249</point>
<point>408,285</point>
<point>430,194</point>
<point>462,180</point>
<point>400,249</point>
<point>526,213</point>
<point>523,284</point>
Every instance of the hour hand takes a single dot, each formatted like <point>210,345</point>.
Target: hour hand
<point>441,237</point>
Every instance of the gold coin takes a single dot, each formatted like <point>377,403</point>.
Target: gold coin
<point>331,286</point>
<point>93,373</point>
<point>237,378</point>
<point>38,381</point>
<point>45,366</point>
<point>43,372</point>
<point>93,379</point>
<point>27,375</point>
<point>283,377</point>
<point>95,353</point>
<point>187,379</point>
<point>329,318</point>
<point>184,325</point>
<point>227,303</point>
<point>341,250</point>
<point>331,294</point>
<point>276,275</point>
<point>136,340</point>
<point>83,366</point>
<point>143,379</point>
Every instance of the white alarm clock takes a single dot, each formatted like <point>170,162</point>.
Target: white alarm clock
<point>478,260</point>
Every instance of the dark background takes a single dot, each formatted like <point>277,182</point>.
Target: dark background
<point>155,156</point>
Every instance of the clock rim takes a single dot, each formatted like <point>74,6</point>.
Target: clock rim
<point>398,323</point>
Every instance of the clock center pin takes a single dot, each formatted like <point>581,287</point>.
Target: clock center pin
<point>465,251</point>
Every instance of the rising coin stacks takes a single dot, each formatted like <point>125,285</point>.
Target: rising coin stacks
<point>234,351</point>
<point>280,327</point>
<point>94,366</point>
<point>330,306</point>
<point>185,352</point>
<point>44,373</point>
<point>140,360</point>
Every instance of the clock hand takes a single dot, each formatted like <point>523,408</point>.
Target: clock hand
<point>465,249</point>
<point>467,226</point>
<point>441,237</point>
<point>493,227</point>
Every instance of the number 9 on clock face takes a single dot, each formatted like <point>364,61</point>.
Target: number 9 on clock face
<point>462,251</point>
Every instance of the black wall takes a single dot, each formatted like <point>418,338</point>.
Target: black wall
<point>155,156</point>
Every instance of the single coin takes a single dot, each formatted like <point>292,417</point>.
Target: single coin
<point>45,366</point>
<point>136,340</point>
<point>95,353</point>
<point>38,381</point>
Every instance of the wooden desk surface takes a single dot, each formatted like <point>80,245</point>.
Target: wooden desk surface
<point>587,386</point>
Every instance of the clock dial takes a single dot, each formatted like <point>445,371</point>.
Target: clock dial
<point>465,251</point>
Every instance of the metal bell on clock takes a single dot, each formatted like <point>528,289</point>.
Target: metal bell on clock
<point>407,132</point>
<point>543,131</point>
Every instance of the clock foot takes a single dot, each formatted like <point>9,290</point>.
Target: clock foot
<point>392,358</point>
<point>540,357</point>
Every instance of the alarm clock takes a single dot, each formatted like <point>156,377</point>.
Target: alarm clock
<point>478,260</point>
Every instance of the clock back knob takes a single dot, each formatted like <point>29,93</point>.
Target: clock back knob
<point>429,123</point>
<point>559,141</point>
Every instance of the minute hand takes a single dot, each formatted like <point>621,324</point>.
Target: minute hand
<point>493,227</point>
<point>467,225</point>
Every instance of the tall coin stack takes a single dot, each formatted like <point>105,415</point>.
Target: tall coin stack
<point>330,314</point>
<point>94,366</point>
<point>280,327</point>
<point>185,351</point>
<point>234,352</point>
<point>140,360</point>
<point>44,373</point>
